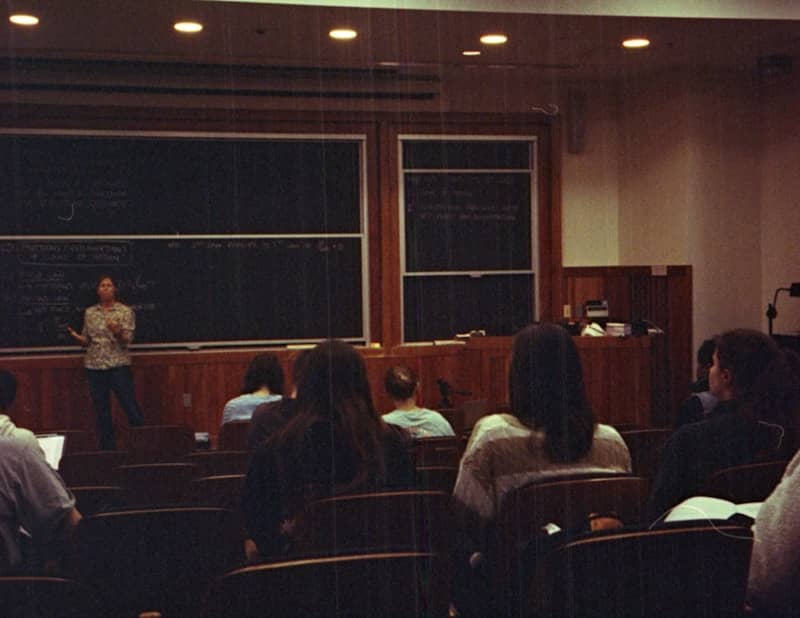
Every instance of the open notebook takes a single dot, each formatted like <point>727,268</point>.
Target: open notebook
<point>53,447</point>
<point>705,507</point>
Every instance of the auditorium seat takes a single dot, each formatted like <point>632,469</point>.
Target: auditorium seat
<point>47,597</point>
<point>223,491</point>
<point>212,463</point>
<point>684,572</point>
<point>568,503</point>
<point>389,585</point>
<point>233,436</point>
<point>746,483</point>
<point>156,559</point>
<point>92,467</point>
<point>160,443</point>
<point>155,484</point>
<point>374,522</point>
<point>91,499</point>
<point>76,440</point>
<point>646,447</point>
<point>437,478</point>
<point>442,451</point>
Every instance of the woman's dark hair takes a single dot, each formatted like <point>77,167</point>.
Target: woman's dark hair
<point>8,389</point>
<point>400,382</point>
<point>547,393</point>
<point>106,276</point>
<point>334,387</point>
<point>705,353</point>
<point>264,370</point>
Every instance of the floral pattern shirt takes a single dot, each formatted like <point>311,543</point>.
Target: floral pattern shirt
<point>104,350</point>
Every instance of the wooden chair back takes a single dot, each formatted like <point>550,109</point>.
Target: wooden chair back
<point>668,573</point>
<point>214,463</point>
<point>746,483</point>
<point>233,436</point>
<point>91,467</point>
<point>390,585</point>
<point>47,597</point>
<point>76,440</point>
<point>568,503</point>
<point>646,447</point>
<point>437,478</point>
<point>91,499</point>
<point>376,522</point>
<point>160,443</point>
<point>223,491</point>
<point>156,559</point>
<point>443,451</point>
<point>155,484</point>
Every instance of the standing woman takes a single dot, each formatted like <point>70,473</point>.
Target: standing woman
<point>108,328</point>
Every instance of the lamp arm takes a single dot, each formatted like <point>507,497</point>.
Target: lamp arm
<point>775,298</point>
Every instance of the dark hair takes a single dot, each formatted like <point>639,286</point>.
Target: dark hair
<point>8,389</point>
<point>299,366</point>
<point>264,370</point>
<point>748,355</point>
<point>705,353</point>
<point>400,382</point>
<point>547,393</point>
<point>334,387</point>
<point>113,280</point>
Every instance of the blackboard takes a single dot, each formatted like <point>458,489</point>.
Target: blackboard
<point>208,290</point>
<point>216,239</point>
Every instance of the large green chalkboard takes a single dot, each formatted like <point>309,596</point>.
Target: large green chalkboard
<point>215,240</point>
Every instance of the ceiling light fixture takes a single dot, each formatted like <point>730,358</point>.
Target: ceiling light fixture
<point>188,27</point>
<point>636,43</point>
<point>343,34</point>
<point>22,19</point>
<point>470,52</point>
<point>494,39</point>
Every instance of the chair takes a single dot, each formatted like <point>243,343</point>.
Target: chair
<point>91,467</point>
<point>155,484</point>
<point>670,573</point>
<point>77,440</point>
<point>212,463</point>
<point>223,491</point>
<point>444,451</point>
<point>437,478</point>
<point>47,597</point>
<point>746,483</point>
<point>646,447</point>
<point>93,499</point>
<point>384,521</point>
<point>233,436</point>
<point>160,443</point>
<point>567,502</point>
<point>393,585</point>
<point>156,559</point>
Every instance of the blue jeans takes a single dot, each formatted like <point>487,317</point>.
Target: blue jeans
<point>101,383</point>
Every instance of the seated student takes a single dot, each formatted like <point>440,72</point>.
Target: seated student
<point>401,384</point>
<point>263,383</point>
<point>701,403</point>
<point>551,430</point>
<point>756,389</point>
<point>270,417</point>
<point>8,392</point>
<point>775,563</point>
<point>335,443</point>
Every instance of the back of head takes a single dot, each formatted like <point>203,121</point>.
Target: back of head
<point>400,383</point>
<point>8,389</point>
<point>264,370</point>
<point>547,391</point>
<point>334,387</point>
<point>748,355</point>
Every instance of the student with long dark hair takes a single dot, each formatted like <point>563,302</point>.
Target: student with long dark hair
<point>334,443</point>
<point>263,383</point>
<point>757,388</point>
<point>551,430</point>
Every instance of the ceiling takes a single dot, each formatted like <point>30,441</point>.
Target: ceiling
<point>563,47</point>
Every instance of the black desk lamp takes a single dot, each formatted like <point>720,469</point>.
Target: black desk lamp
<point>772,312</point>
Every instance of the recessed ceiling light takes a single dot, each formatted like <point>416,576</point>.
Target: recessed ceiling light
<point>636,43</point>
<point>188,27</point>
<point>494,39</point>
<point>343,34</point>
<point>470,52</point>
<point>23,20</point>
<point>389,63</point>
